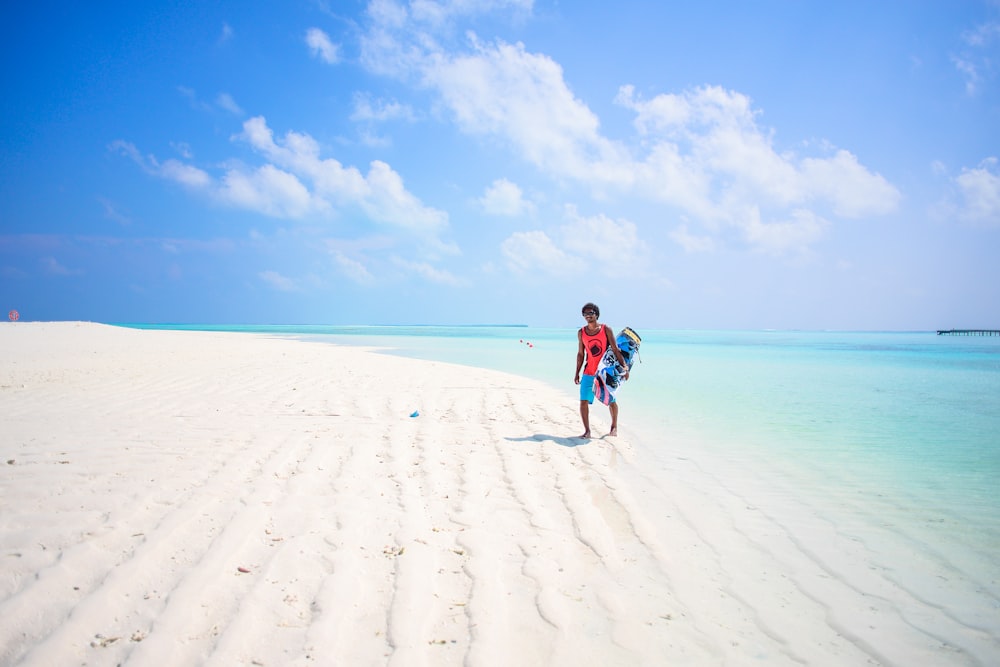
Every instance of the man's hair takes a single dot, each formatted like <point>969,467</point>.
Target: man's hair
<point>591,306</point>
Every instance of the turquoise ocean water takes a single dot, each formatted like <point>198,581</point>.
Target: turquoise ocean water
<point>900,429</point>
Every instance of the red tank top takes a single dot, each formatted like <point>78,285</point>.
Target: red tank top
<point>595,345</point>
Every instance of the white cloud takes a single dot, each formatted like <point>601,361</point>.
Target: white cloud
<point>266,190</point>
<point>111,212</point>
<point>277,281</point>
<point>436,12</point>
<point>389,201</point>
<point>983,34</point>
<point>270,191</point>
<point>690,242</point>
<point>226,33</point>
<point>851,190</point>
<point>702,151</point>
<point>353,269</point>
<point>387,13</point>
<point>388,16</point>
<point>185,174</point>
<point>709,157</point>
<point>172,170</point>
<point>977,62</point>
<point>52,266</point>
<point>223,101</point>
<point>129,150</point>
<point>182,148</point>
<point>226,101</point>
<point>800,230</point>
<point>504,198</point>
<point>595,240</point>
<point>534,253</point>
<point>370,138</point>
<point>368,110</point>
<point>603,239</point>
<point>381,194</point>
<point>711,135</point>
<point>969,71</point>
<point>502,90</point>
<point>321,47</point>
<point>297,182</point>
<point>980,194</point>
<point>428,272</point>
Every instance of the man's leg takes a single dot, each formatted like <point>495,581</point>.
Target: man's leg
<point>614,418</point>
<point>585,416</point>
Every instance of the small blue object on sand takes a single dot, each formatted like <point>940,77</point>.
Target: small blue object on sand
<point>414,414</point>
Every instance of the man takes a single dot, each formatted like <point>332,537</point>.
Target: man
<point>594,340</point>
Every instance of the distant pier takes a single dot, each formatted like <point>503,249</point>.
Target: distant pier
<point>968,332</point>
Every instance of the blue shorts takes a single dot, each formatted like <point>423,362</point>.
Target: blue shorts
<point>587,388</point>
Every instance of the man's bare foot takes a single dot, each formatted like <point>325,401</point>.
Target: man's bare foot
<point>613,431</point>
<point>585,436</point>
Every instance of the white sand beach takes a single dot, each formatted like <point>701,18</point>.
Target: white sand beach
<point>189,498</point>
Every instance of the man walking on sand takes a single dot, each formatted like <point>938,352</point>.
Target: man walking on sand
<point>594,340</point>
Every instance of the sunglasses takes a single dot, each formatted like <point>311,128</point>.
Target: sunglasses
<point>587,313</point>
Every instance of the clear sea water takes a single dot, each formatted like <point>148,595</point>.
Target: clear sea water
<point>910,422</point>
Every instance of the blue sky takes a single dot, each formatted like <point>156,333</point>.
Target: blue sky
<point>767,164</point>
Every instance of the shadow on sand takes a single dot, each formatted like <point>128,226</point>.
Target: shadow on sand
<point>560,440</point>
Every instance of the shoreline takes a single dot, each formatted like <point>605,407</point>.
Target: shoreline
<point>151,468</point>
